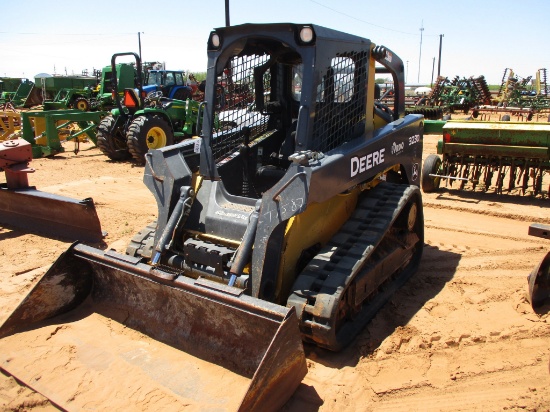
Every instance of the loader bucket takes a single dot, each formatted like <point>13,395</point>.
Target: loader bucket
<point>539,283</point>
<point>102,330</point>
<point>50,214</point>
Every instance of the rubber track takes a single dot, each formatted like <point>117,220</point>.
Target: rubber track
<point>327,276</point>
<point>140,245</point>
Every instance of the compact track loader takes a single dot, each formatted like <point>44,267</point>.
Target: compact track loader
<point>293,219</point>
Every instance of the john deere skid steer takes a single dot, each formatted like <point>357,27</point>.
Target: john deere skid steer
<point>293,219</point>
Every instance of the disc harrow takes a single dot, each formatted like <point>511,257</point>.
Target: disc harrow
<point>449,96</point>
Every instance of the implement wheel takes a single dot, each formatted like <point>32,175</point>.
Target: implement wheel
<point>431,166</point>
<point>148,132</point>
<point>539,283</point>
<point>112,143</point>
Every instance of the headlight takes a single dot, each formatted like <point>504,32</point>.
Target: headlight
<point>306,34</point>
<point>215,41</point>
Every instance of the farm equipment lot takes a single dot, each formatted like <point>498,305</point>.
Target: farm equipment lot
<point>460,335</point>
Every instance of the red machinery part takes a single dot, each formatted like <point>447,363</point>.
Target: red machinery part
<point>15,156</point>
<point>24,207</point>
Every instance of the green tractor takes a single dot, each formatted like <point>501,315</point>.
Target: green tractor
<point>141,121</point>
<point>71,99</point>
<point>126,77</point>
<point>93,95</point>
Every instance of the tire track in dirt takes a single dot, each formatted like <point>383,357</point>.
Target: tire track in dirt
<point>532,240</point>
<point>490,212</point>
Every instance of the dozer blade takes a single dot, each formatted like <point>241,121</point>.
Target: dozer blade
<point>49,214</point>
<point>539,283</point>
<point>87,337</point>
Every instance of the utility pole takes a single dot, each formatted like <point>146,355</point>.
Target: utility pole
<point>433,67</point>
<point>139,43</point>
<point>407,74</point>
<point>439,61</point>
<point>420,57</point>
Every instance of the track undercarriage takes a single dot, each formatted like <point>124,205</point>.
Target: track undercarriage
<point>372,255</point>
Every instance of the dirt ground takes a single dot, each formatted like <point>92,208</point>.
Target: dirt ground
<point>459,336</point>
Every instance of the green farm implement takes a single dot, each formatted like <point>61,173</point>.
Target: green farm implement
<point>50,85</point>
<point>26,95</point>
<point>507,156</point>
<point>8,87</point>
<point>43,129</point>
<point>450,96</point>
<point>525,98</point>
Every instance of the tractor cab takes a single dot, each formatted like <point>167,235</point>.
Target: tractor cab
<point>171,83</point>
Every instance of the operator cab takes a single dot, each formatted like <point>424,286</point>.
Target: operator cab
<point>172,84</point>
<point>292,89</point>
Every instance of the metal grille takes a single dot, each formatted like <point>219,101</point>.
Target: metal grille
<point>340,103</point>
<point>236,113</point>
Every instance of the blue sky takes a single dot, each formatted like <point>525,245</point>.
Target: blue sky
<point>480,37</point>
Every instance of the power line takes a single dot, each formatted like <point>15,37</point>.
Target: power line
<point>66,34</point>
<point>366,22</point>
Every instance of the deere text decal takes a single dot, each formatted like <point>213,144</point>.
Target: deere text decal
<point>364,163</point>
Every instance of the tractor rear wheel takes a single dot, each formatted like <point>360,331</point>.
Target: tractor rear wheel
<point>431,166</point>
<point>148,132</point>
<point>112,143</point>
<point>82,104</point>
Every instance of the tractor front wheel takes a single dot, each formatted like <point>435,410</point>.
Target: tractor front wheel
<point>82,104</point>
<point>148,132</point>
<point>112,142</point>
